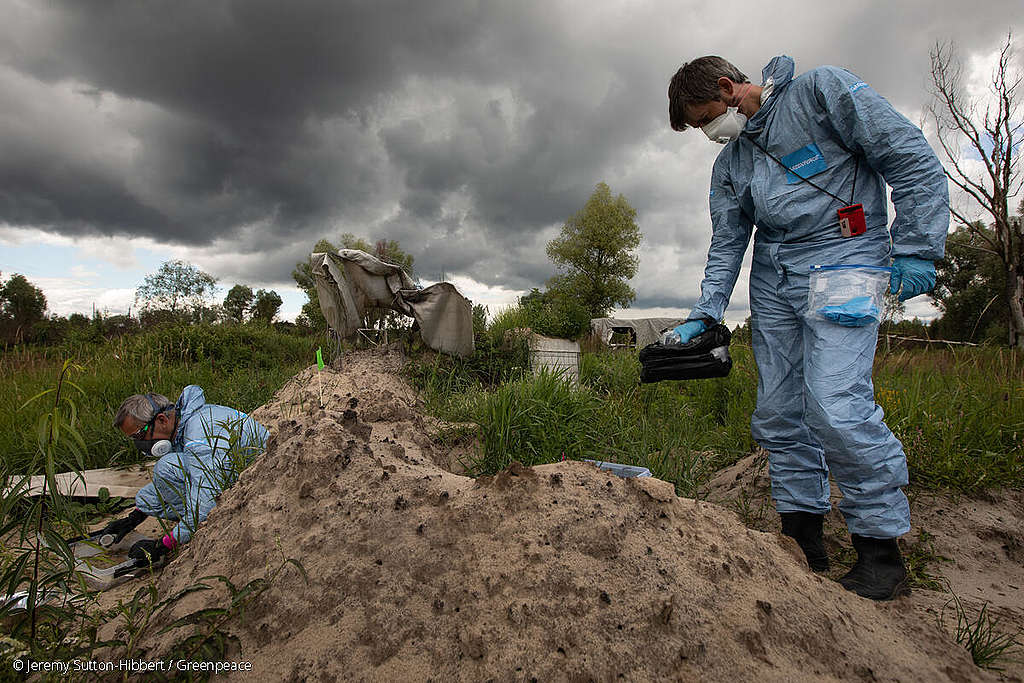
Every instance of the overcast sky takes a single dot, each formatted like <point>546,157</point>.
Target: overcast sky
<point>235,134</point>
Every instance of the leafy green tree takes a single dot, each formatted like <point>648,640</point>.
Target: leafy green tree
<point>266,306</point>
<point>238,302</point>
<point>177,287</point>
<point>22,304</point>
<point>969,287</point>
<point>595,252</point>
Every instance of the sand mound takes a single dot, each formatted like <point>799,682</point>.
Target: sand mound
<point>555,572</point>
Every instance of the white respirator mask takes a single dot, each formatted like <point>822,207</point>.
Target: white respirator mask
<point>727,126</point>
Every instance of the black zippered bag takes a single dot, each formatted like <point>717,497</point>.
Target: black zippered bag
<point>704,356</point>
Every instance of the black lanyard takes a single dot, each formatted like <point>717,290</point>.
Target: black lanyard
<point>856,168</point>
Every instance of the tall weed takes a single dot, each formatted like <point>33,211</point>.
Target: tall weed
<point>38,565</point>
<point>506,319</point>
<point>534,420</point>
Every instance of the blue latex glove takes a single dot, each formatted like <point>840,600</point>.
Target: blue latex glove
<point>689,330</point>
<point>856,312</point>
<point>911,276</point>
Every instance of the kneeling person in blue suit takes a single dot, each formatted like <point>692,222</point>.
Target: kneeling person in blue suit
<point>202,448</point>
<point>806,160</point>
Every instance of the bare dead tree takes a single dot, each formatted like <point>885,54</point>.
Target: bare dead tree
<point>991,130</point>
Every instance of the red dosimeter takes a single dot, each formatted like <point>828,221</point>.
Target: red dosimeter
<point>851,220</point>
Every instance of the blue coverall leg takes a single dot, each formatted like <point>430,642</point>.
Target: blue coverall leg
<point>797,462</point>
<point>865,457</point>
<point>815,388</point>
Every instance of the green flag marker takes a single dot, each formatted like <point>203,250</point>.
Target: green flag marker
<point>319,359</point>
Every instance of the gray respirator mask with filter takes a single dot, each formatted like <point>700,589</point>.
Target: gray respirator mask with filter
<point>151,447</point>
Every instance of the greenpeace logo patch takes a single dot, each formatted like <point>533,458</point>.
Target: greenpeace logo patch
<point>804,163</point>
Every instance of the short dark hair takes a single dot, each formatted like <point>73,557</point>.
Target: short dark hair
<point>696,82</point>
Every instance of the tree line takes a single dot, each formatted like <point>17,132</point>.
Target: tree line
<point>594,257</point>
<point>177,293</point>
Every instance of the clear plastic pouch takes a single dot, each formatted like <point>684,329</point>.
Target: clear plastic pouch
<point>850,295</point>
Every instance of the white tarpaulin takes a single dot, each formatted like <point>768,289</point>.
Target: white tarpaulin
<point>351,282</point>
<point>647,330</point>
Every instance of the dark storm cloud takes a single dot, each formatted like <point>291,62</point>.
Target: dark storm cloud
<point>467,130</point>
<point>245,97</point>
<point>75,199</point>
<point>247,88</point>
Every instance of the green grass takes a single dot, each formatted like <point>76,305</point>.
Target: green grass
<point>681,431</point>
<point>239,366</point>
<point>960,415</point>
<point>983,636</point>
<point>922,561</point>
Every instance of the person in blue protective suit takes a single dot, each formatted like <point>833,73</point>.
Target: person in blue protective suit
<point>202,448</point>
<point>797,151</point>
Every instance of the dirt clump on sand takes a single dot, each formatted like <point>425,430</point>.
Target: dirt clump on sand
<point>551,573</point>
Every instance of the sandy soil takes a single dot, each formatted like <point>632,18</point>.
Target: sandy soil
<point>975,546</point>
<point>559,572</point>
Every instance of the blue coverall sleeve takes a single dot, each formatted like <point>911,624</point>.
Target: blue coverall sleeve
<point>897,149</point>
<point>731,230</point>
<point>201,488</point>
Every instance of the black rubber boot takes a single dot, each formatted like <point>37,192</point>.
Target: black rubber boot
<point>805,529</point>
<point>879,573</point>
